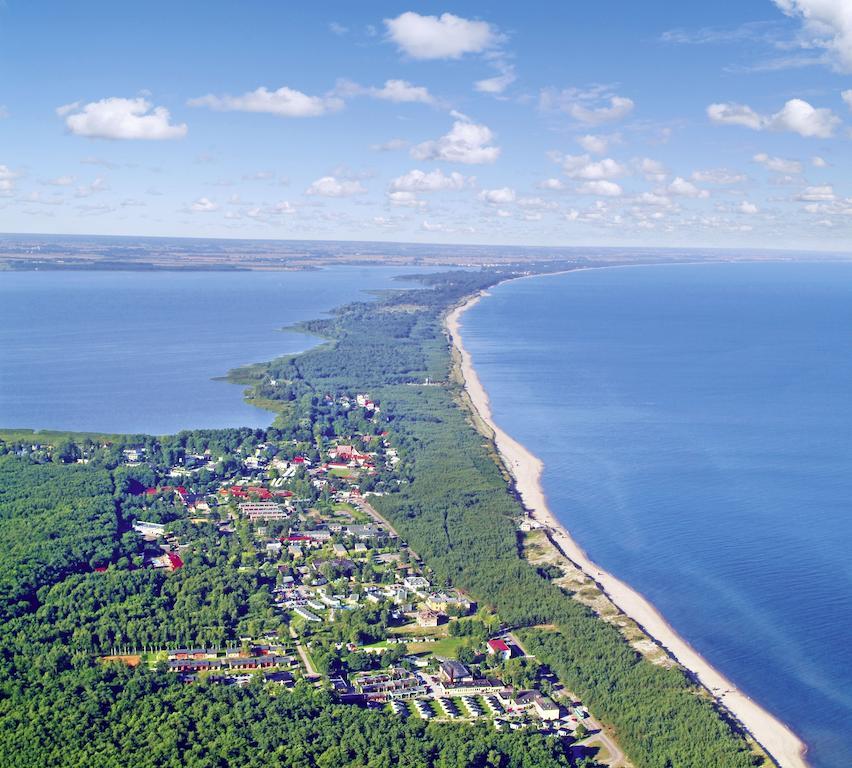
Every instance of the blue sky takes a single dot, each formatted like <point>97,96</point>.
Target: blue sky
<point>611,123</point>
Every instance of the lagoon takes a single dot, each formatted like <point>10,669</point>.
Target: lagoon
<point>139,352</point>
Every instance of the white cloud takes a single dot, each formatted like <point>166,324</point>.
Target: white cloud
<point>330,186</point>
<point>204,205</point>
<point>683,188</point>
<point>552,184</point>
<point>596,144</point>
<point>602,187</point>
<point>796,116</point>
<point>337,29</point>
<point>284,102</point>
<point>583,167</point>
<point>282,208</point>
<point>499,83</point>
<point>778,164</point>
<point>827,24</point>
<point>721,176</point>
<point>466,142</point>
<point>655,199</point>
<point>820,194</point>
<point>652,170</point>
<point>735,114</point>
<point>440,37</point>
<point>98,185</point>
<point>405,199</point>
<point>397,91</point>
<point>747,208</point>
<point>61,181</point>
<point>7,180</point>
<point>117,118</point>
<point>433,181</point>
<point>500,196</point>
<point>401,91</point>
<point>819,162</point>
<point>847,97</point>
<point>590,107</point>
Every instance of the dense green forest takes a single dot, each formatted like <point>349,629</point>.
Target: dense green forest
<point>58,521</point>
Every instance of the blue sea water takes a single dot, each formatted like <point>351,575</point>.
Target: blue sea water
<point>139,351</point>
<point>695,423</point>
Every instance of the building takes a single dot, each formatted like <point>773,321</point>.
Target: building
<point>415,583</point>
<point>455,672</point>
<point>263,510</point>
<point>500,649</point>
<point>428,619</point>
<point>149,530</point>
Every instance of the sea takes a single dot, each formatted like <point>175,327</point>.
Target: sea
<point>141,352</point>
<point>695,424</point>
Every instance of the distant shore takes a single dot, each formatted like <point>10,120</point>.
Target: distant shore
<point>784,746</point>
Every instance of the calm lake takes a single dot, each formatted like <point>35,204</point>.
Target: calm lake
<point>695,423</point>
<point>139,351</point>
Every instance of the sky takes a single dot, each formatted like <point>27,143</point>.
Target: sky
<point>558,123</point>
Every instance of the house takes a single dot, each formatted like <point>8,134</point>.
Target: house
<point>428,619</point>
<point>500,649</point>
<point>546,708</point>
<point>415,583</point>
<point>306,614</point>
<point>455,671</point>
<point>442,601</point>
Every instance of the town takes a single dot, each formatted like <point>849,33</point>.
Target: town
<point>355,610</point>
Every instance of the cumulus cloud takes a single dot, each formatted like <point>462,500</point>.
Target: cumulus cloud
<point>203,205</point>
<point>7,180</point>
<point>440,37</point>
<point>466,142</point>
<point>433,181</point>
<point>499,83</point>
<point>583,167</point>
<point>602,188</point>
<point>405,199</point>
<point>500,196</point>
<point>593,106</point>
<point>683,188</point>
<point>330,186</point>
<point>597,144</point>
<point>819,162</point>
<point>747,208</point>
<point>778,164</point>
<point>826,24</point>
<point>118,118</point>
<point>652,170</point>
<point>401,91</point>
<point>284,102</point>
<point>553,185</point>
<point>796,116</point>
<point>847,97</point>
<point>823,193</point>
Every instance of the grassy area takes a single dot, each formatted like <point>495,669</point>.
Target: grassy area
<point>447,646</point>
<point>52,436</point>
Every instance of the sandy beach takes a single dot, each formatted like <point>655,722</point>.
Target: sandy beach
<point>775,737</point>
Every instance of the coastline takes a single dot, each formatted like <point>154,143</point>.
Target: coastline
<point>777,739</point>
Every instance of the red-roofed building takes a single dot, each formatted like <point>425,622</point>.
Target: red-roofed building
<point>174,561</point>
<point>499,648</point>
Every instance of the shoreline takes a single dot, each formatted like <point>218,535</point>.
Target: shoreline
<point>777,739</point>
